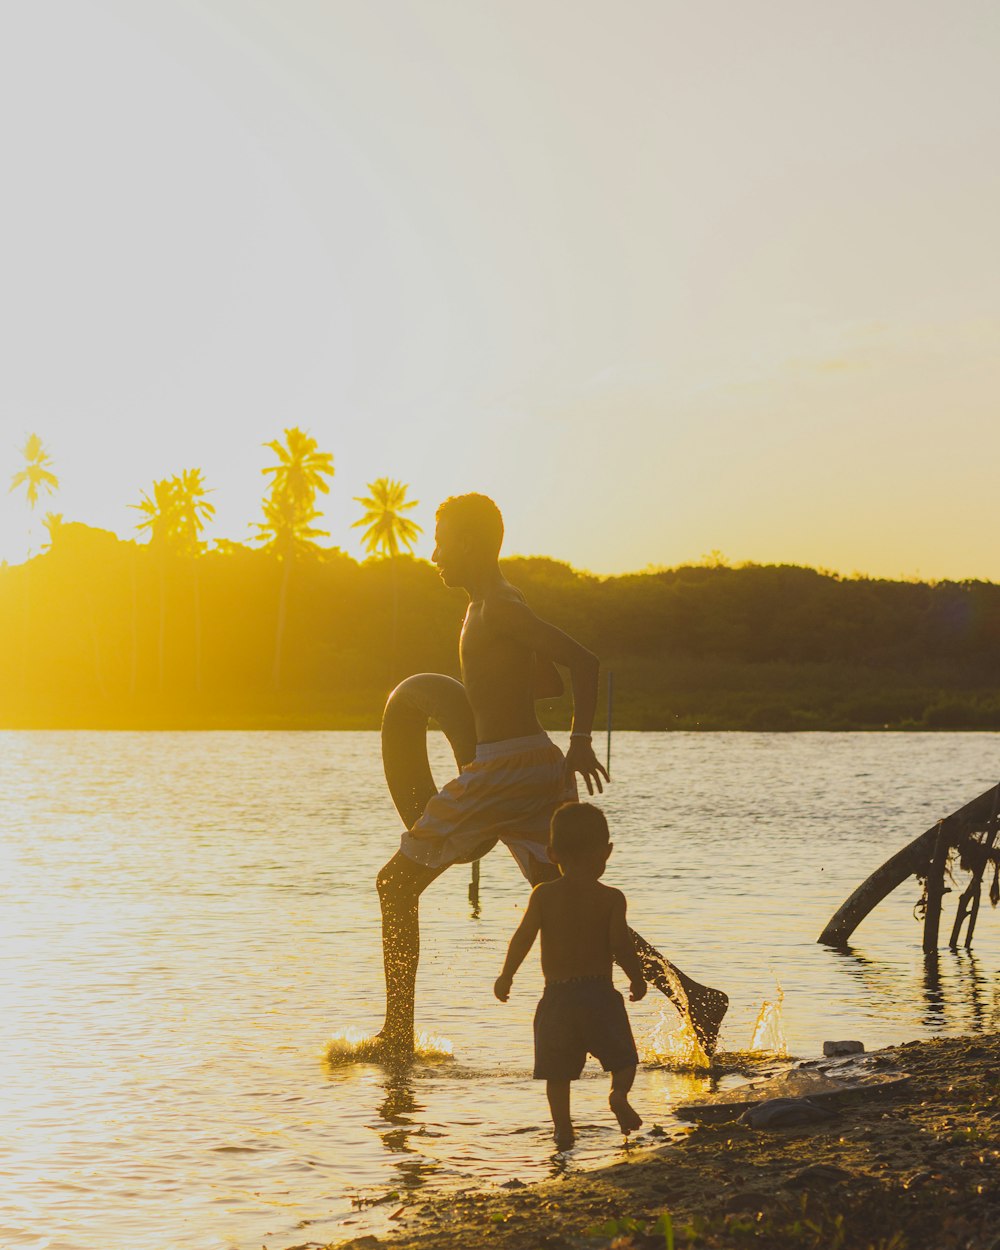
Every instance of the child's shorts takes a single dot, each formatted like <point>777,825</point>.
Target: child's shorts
<point>508,793</point>
<point>578,1018</point>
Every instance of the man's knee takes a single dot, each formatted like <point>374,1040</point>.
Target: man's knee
<point>402,878</point>
<point>387,881</point>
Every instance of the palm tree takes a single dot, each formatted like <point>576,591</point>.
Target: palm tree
<point>193,510</point>
<point>300,469</point>
<point>387,527</point>
<point>161,512</point>
<point>162,519</point>
<point>33,476</point>
<point>287,530</point>
<point>387,530</point>
<point>53,522</point>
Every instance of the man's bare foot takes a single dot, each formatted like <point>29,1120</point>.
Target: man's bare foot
<point>707,1010</point>
<point>626,1115</point>
<point>564,1136</point>
<point>387,1047</point>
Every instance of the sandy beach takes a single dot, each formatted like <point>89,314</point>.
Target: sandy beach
<point>915,1166</point>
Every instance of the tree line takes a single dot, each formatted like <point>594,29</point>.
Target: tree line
<point>174,514</point>
<point>97,631</point>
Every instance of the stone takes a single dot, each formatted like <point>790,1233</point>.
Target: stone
<point>786,1113</point>
<point>843,1048</point>
<point>819,1174</point>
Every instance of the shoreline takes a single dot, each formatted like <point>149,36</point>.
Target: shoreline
<point>914,1167</point>
<point>372,724</point>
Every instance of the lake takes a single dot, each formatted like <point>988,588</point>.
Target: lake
<point>187,919</point>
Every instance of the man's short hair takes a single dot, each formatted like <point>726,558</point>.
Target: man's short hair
<point>477,518</point>
<point>578,829</point>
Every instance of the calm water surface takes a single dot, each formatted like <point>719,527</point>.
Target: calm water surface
<point>186,919</point>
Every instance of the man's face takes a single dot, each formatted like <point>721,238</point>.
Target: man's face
<point>450,554</point>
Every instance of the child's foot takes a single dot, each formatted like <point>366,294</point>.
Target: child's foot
<point>707,1010</point>
<point>564,1137</point>
<point>626,1115</point>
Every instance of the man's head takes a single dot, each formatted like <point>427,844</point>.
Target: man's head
<point>467,537</point>
<point>579,838</point>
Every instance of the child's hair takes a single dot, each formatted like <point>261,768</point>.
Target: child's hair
<point>578,829</point>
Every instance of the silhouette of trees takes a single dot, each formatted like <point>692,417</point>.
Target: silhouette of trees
<point>287,531</point>
<point>53,522</point>
<point>193,510</point>
<point>692,648</point>
<point>161,513</point>
<point>35,474</point>
<point>161,520</point>
<point>388,530</point>
<point>174,516</point>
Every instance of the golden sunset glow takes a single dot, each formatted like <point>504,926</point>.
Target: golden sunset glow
<point>499,620</point>
<point>697,277</point>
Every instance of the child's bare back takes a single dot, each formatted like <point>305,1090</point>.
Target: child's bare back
<point>581,922</point>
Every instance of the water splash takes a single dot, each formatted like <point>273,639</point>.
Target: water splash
<point>354,1046</point>
<point>675,1047</point>
<point>769,1030</point>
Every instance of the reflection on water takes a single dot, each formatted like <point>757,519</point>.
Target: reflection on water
<point>187,920</point>
<point>957,991</point>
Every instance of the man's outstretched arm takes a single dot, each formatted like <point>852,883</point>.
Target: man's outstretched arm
<point>517,621</point>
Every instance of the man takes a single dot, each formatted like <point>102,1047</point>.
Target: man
<point>518,778</point>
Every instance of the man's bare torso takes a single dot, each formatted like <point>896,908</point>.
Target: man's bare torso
<point>498,673</point>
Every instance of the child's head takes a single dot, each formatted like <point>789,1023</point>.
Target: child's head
<point>578,836</point>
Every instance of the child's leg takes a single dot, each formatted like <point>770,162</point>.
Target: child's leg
<point>562,1125</point>
<point>626,1115</point>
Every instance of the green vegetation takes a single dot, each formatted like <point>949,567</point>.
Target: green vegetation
<point>101,632</point>
<point>170,634</point>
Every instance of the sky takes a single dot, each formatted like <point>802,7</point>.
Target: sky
<point>662,278</point>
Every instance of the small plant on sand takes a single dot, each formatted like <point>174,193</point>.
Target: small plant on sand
<point>627,1232</point>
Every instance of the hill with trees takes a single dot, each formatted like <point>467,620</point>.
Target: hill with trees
<point>101,632</point>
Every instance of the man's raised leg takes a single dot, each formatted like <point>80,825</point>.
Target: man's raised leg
<point>400,884</point>
<point>705,1006</point>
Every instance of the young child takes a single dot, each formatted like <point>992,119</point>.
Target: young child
<point>582,924</point>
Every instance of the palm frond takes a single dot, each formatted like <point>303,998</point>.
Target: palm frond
<point>385,529</point>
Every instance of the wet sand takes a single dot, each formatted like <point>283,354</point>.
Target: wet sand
<point>914,1167</point>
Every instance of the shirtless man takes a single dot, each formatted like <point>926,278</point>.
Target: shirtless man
<point>518,778</point>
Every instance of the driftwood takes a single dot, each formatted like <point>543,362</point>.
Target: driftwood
<point>968,904</point>
<point>935,887</point>
<point>920,858</point>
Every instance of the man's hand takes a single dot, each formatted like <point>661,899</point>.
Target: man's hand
<point>580,758</point>
<point>501,988</point>
<point>637,990</point>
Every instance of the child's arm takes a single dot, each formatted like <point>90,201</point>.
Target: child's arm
<point>623,949</point>
<point>520,944</point>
